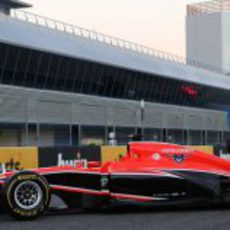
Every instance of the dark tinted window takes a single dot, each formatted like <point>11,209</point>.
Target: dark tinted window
<point>36,69</point>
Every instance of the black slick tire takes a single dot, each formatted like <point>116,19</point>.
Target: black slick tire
<point>26,195</point>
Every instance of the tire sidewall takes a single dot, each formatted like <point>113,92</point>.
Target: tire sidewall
<point>8,198</point>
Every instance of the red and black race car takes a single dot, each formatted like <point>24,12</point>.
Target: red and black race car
<point>150,173</point>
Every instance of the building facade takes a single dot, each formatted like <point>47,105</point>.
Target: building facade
<point>64,85</point>
<point>208,33</point>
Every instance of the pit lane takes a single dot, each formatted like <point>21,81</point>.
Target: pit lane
<point>127,219</point>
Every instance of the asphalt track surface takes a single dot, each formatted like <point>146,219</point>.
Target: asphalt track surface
<point>128,219</point>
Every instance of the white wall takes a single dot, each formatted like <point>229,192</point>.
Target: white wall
<point>208,39</point>
<point>204,42</point>
<point>226,40</point>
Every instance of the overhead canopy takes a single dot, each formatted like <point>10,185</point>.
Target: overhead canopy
<point>14,4</point>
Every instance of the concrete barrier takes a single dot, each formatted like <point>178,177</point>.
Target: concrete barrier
<point>207,149</point>
<point>19,158</point>
<point>112,153</point>
<point>60,156</point>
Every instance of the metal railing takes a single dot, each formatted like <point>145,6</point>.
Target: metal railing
<point>208,7</point>
<point>106,39</point>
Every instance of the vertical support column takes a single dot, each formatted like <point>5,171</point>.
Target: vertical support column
<point>106,135</point>
<point>185,138</point>
<point>205,131</point>
<point>166,135</point>
<point>106,126</point>
<point>136,123</point>
<point>205,140</point>
<point>79,134</point>
<point>38,125</point>
<point>38,133</point>
<point>26,123</point>
<point>185,130</point>
<point>222,137</point>
<point>162,134</point>
<point>70,135</point>
<point>71,125</point>
<point>142,119</point>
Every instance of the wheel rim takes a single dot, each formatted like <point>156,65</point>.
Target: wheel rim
<point>28,195</point>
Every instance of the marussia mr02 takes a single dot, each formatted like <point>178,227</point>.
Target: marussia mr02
<point>150,173</point>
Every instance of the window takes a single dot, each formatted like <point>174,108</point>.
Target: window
<point>36,69</point>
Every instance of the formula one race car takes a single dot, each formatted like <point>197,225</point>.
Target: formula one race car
<point>150,173</point>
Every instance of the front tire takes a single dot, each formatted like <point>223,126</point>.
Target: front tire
<point>26,195</point>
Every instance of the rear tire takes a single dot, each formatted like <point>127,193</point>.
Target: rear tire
<point>26,195</point>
